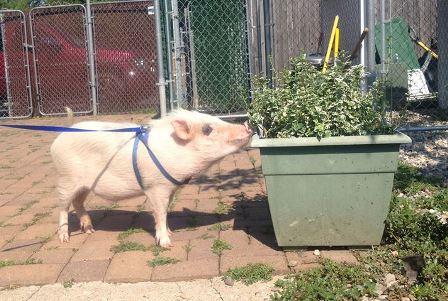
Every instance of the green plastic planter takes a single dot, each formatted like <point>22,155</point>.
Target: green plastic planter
<point>332,192</point>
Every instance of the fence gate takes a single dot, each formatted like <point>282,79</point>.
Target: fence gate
<point>126,56</point>
<point>209,55</point>
<point>15,98</point>
<point>60,59</point>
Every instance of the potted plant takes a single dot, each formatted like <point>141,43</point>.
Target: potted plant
<point>327,155</point>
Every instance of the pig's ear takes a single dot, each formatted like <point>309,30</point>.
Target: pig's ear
<point>182,129</point>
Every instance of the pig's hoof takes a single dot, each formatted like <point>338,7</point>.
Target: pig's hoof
<point>169,231</point>
<point>164,242</point>
<point>64,237</point>
<point>87,229</point>
<point>86,224</point>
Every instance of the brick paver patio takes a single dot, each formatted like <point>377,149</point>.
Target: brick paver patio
<point>30,252</point>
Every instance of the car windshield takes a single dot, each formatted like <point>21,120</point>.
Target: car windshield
<point>74,39</point>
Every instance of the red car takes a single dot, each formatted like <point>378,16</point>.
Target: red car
<point>126,79</point>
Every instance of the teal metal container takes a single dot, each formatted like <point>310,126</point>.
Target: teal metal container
<point>330,192</point>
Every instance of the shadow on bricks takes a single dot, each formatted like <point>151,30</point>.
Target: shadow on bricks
<point>252,215</point>
<point>113,221</point>
<point>233,179</point>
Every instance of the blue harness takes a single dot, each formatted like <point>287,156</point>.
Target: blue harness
<point>141,135</point>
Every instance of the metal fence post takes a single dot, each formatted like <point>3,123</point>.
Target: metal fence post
<point>168,53</point>
<point>5,58</point>
<point>161,82</point>
<point>91,58</point>
<point>177,52</point>
<point>267,37</point>
<point>383,38</point>
<point>371,9</point>
<point>442,32</point>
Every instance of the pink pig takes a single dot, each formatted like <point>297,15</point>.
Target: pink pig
<point>186,143</point>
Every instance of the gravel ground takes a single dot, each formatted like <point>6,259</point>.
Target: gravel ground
<point>428,151</point>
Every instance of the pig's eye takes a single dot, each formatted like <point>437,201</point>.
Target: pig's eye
<point>207,129</point>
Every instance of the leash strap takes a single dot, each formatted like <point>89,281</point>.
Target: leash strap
<point>142,136</point>
<point>49,128</point>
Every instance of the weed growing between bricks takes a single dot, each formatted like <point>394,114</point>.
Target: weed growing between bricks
<point>27,206</point>
<point>126,246</point>
<point>69,283</point>
<point>222,208</point>
<point>188,247</point>
<point>411,263</point>
<point>219,246</point>
<point>107,208</point>
<point>156,250</point>
<point>6,263</point>
<point>220,227</point>
<point>161,260</point>
<point>206,236</point>
<point>251,273</point>
<point>129,232</point>
<point>37,217</point>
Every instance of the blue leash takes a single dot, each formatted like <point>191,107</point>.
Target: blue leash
<point>49,128</point>
<point>141,135</point>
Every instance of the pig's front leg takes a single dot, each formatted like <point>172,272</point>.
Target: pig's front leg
<point>159,199</point>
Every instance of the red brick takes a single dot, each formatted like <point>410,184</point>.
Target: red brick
<point>177,251</point>
<point>207,205</point>
<point>36,231</point>
<point>7,233</point>
<point>300,261</point>
<point>201,249</point>
<point>77,239</point>
<point>31,274</point>
<point>186,234</point>
<point>197,269</point>
<point>8,211</point>
<point>144,238</point>
<point>81,271</point>
<point>19,250</point>
<point>61,256</point>
<point>341,256</point>
<point>94,250</point>
<point>129,267</point>
<point>20,219</point>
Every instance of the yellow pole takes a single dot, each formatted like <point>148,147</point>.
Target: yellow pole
<point>420,43</point>
<point>336,45</point>
<point>333,33</point>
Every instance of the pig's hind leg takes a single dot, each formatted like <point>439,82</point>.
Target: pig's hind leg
<point>67,196</point>
<point>84,218</point>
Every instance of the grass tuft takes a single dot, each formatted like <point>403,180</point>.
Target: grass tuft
<point>219,246</point>
<point>158,261</point>
<point>251,273</point>
<point>126,246</point>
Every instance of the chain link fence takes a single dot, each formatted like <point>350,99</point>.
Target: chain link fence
<point>125,56</point>
<point>209,56</point>
<point>15,91</point>
<point>408,59</point>
<point>60,59</point>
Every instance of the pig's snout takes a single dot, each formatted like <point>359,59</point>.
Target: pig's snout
<point>242,134</point>
<point>248,128</point>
